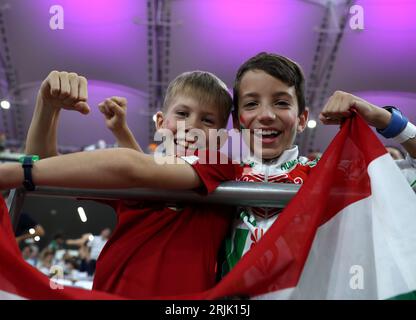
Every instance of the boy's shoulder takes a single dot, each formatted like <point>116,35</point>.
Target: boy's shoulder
<point>207,157</point>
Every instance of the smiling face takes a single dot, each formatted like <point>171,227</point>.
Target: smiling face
<point>192,114</point>
<point>269,109</point>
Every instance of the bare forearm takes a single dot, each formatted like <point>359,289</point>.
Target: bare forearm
<point>71,242</point>
<point>125,139</point>
<point>38,232</point>
<point>42,135</point>
<point>98,169</point>
<point>104,169</point>
<point>111,168</point>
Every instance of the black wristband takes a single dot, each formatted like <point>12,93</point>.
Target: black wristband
<point>27,165</point>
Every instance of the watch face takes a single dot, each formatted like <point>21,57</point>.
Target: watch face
<point>29,159</point>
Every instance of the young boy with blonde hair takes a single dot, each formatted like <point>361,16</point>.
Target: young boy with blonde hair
<point>155,250</point>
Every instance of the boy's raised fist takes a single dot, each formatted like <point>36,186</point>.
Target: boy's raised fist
<point>65,90</point>
<point>339,107</point>
<point>114,110</point>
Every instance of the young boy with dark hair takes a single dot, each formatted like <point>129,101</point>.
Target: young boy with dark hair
<point>269,101</point>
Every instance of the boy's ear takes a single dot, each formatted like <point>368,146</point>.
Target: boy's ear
<point>303,120</point>
<point>159,120</point>
<point>236,121</point>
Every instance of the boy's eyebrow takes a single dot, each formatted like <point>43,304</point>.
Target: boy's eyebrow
<point>208,112</point>
<point>251,95</point>
<point>281,94</point>
<point>204,111</point>
<point>181,106</point>
<point>277,94</point>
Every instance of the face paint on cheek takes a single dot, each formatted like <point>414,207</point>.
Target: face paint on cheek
<point>245,122</point>
<point>242,122</point>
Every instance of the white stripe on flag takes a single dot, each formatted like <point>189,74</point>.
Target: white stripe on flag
<point>368,249</point>
<point>9,296</point>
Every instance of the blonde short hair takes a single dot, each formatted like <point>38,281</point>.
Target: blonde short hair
<point>205,87</point>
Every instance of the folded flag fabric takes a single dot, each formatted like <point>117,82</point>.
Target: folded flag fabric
<point>349,233</point>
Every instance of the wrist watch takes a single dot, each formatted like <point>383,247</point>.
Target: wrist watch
<point>27,165</point>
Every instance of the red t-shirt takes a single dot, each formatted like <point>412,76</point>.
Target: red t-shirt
<point>157,251</point>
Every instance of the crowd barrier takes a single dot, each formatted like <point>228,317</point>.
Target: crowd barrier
<point>272,195</point>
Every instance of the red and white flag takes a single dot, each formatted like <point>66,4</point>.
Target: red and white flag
<point>349,233</point>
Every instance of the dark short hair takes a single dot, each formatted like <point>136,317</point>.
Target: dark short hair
<point>278,67</point>
<point>204,86</point>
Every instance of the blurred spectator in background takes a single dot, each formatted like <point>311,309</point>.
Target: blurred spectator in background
<point>97,244</point>
<point>84,259</point>
<point>81,241</point>
<point>395,153</point>
<point>71,266</point>
<point>27,228</point>
<point>26,252</point>
<point>83,252</point>
<point>101,144</point>
<point>57,243</point>
<point>33,258</point>
<point>30,254</point>
<point>402,161</point>
<point>46,261</point>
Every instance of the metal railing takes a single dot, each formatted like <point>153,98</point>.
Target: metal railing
<point>231,193</point>
<point>271,195</point>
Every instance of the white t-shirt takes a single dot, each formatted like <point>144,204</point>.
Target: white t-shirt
<point>96,245</point>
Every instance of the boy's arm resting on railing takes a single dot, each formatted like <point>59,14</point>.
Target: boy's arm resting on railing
<point>105,169</point>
